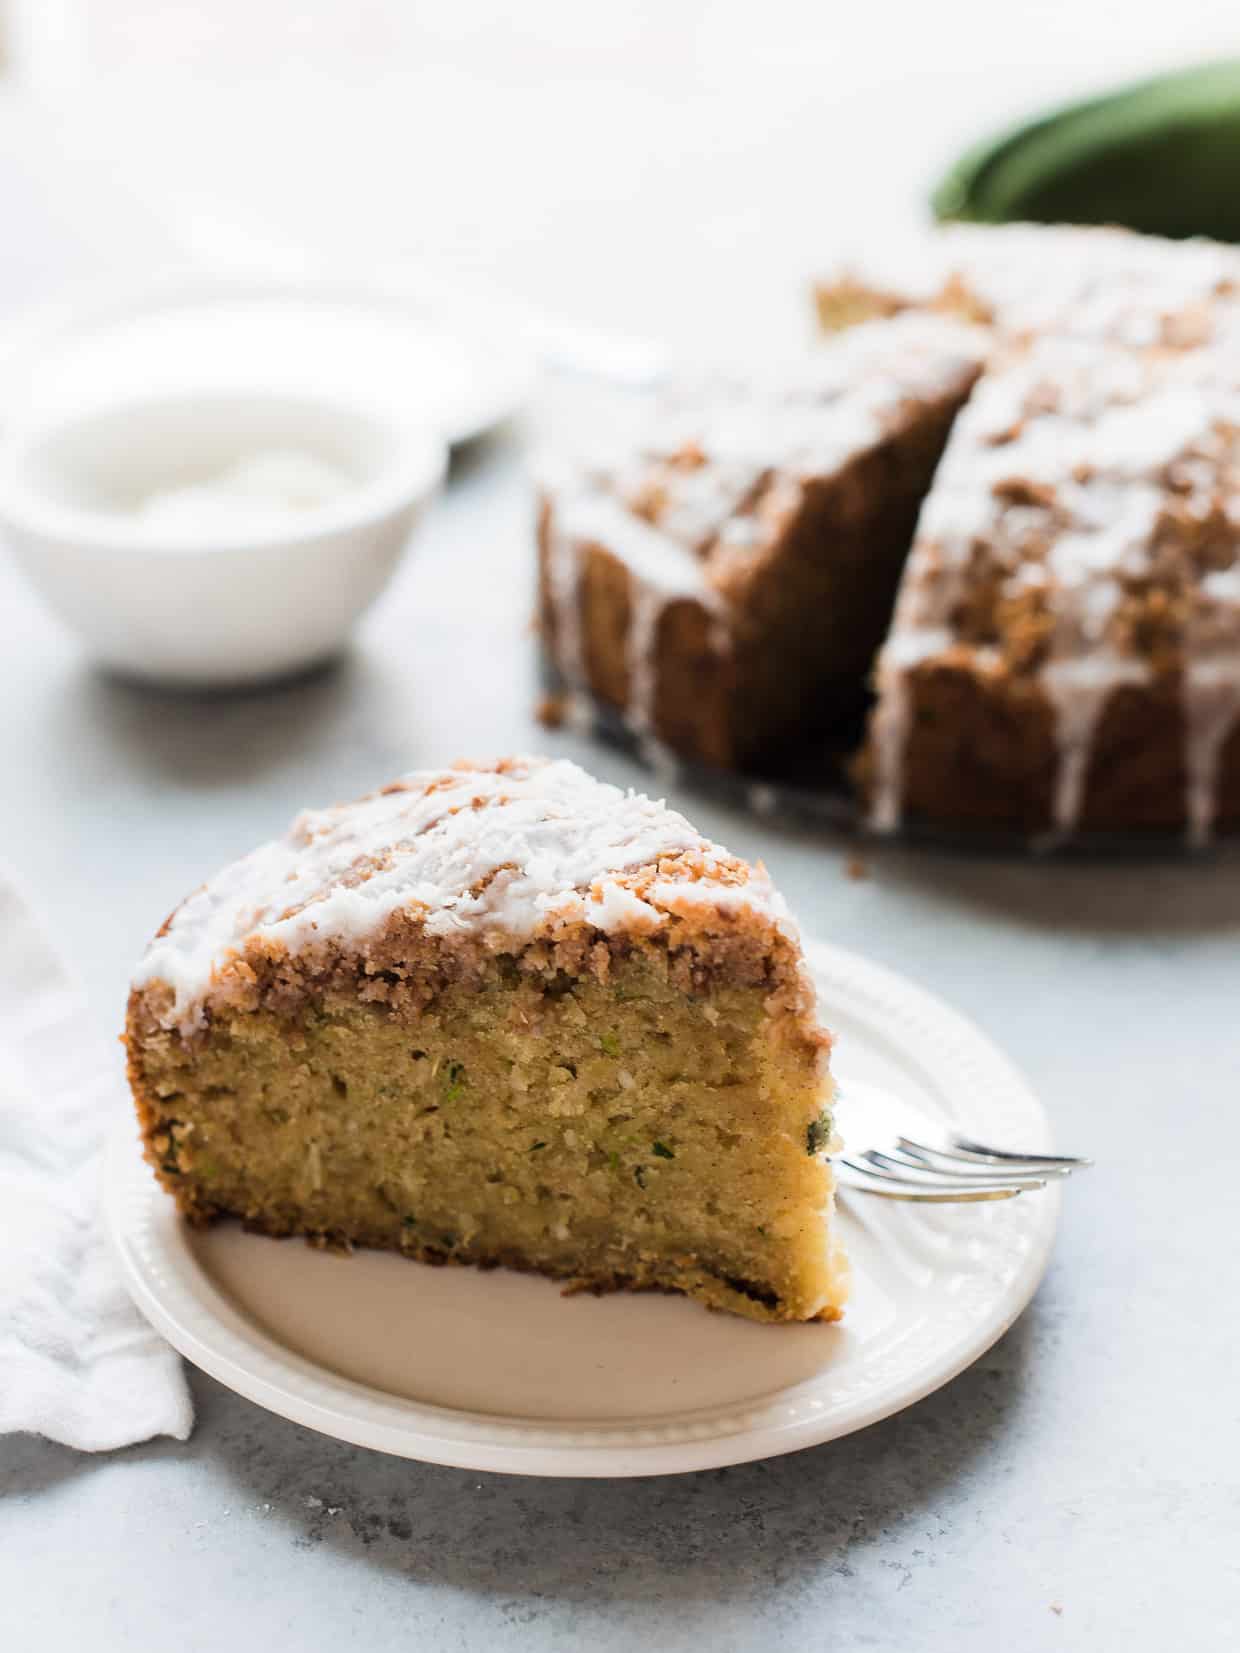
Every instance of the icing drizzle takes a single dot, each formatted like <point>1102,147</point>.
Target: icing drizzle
<point>1084,281</point>
<point>701,492</point>
<point>502,853</point>
<point>1083,528</point>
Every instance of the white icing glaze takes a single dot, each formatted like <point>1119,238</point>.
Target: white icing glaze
<point>890,726</point>
<point>660,572</point>
<point>580,713</point>
<point>1211,694</point>
<point>646,607</point>
<point>501,856</point>
<point>1074,474</point>
<point>712,474</point>
<point>1078,689</point>
<point>564,563</point>
<point>1089,282</point>
<point>659,758</point>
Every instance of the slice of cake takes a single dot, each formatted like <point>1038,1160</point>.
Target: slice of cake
<point>724,578</point>
<point>1066,646</point>
<point>1028,279</point>
<point>501,1014</point>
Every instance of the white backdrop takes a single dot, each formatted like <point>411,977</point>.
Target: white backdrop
<point>664,167</point>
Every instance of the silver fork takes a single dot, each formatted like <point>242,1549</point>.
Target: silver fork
<point>894,1149</point>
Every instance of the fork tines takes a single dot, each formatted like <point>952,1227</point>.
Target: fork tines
<point>968,1170</point>
<point>866,1180</point>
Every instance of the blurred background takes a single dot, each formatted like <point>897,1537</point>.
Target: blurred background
<point>579,176</point>
<point>653,167</point>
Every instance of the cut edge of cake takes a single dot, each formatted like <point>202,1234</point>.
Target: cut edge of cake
<point>581,1036</point>
<point>1065,651</point>
<point>737,556</point>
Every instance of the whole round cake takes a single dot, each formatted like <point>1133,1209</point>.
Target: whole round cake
<point>1004,501</point>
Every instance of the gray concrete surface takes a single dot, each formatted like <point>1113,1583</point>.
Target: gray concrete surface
<point>1077,1489</point>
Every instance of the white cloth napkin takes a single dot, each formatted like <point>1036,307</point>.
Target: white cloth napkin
<point>77,1361</point>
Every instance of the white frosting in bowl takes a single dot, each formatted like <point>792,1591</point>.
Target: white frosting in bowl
<point>260,490</point>
<point>214,540</point>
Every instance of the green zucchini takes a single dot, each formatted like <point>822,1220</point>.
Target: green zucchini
<point>1162,156</point>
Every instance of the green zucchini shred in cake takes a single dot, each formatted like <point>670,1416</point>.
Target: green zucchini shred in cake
<point>502,1014</point>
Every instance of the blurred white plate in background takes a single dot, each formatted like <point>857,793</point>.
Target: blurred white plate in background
<point>373,344</point>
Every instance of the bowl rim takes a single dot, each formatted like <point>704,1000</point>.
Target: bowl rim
<point>409,475</point>
<point>409,293</point>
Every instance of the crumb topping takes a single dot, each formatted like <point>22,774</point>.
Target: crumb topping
<point>694,498</point>
<point>1083,532</point>
<point>1027,279</point>
<point>714,467</point>
<point>485,857</point>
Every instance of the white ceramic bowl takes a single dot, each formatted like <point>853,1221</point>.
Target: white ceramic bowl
<point>210,606</point>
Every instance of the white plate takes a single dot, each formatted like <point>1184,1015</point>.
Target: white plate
<point>426,364</point>
<point>499,1371</point>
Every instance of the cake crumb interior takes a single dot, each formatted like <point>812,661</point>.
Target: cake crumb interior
<point>619,1133</point>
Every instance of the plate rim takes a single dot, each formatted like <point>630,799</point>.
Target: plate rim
<point>155,1258</point>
